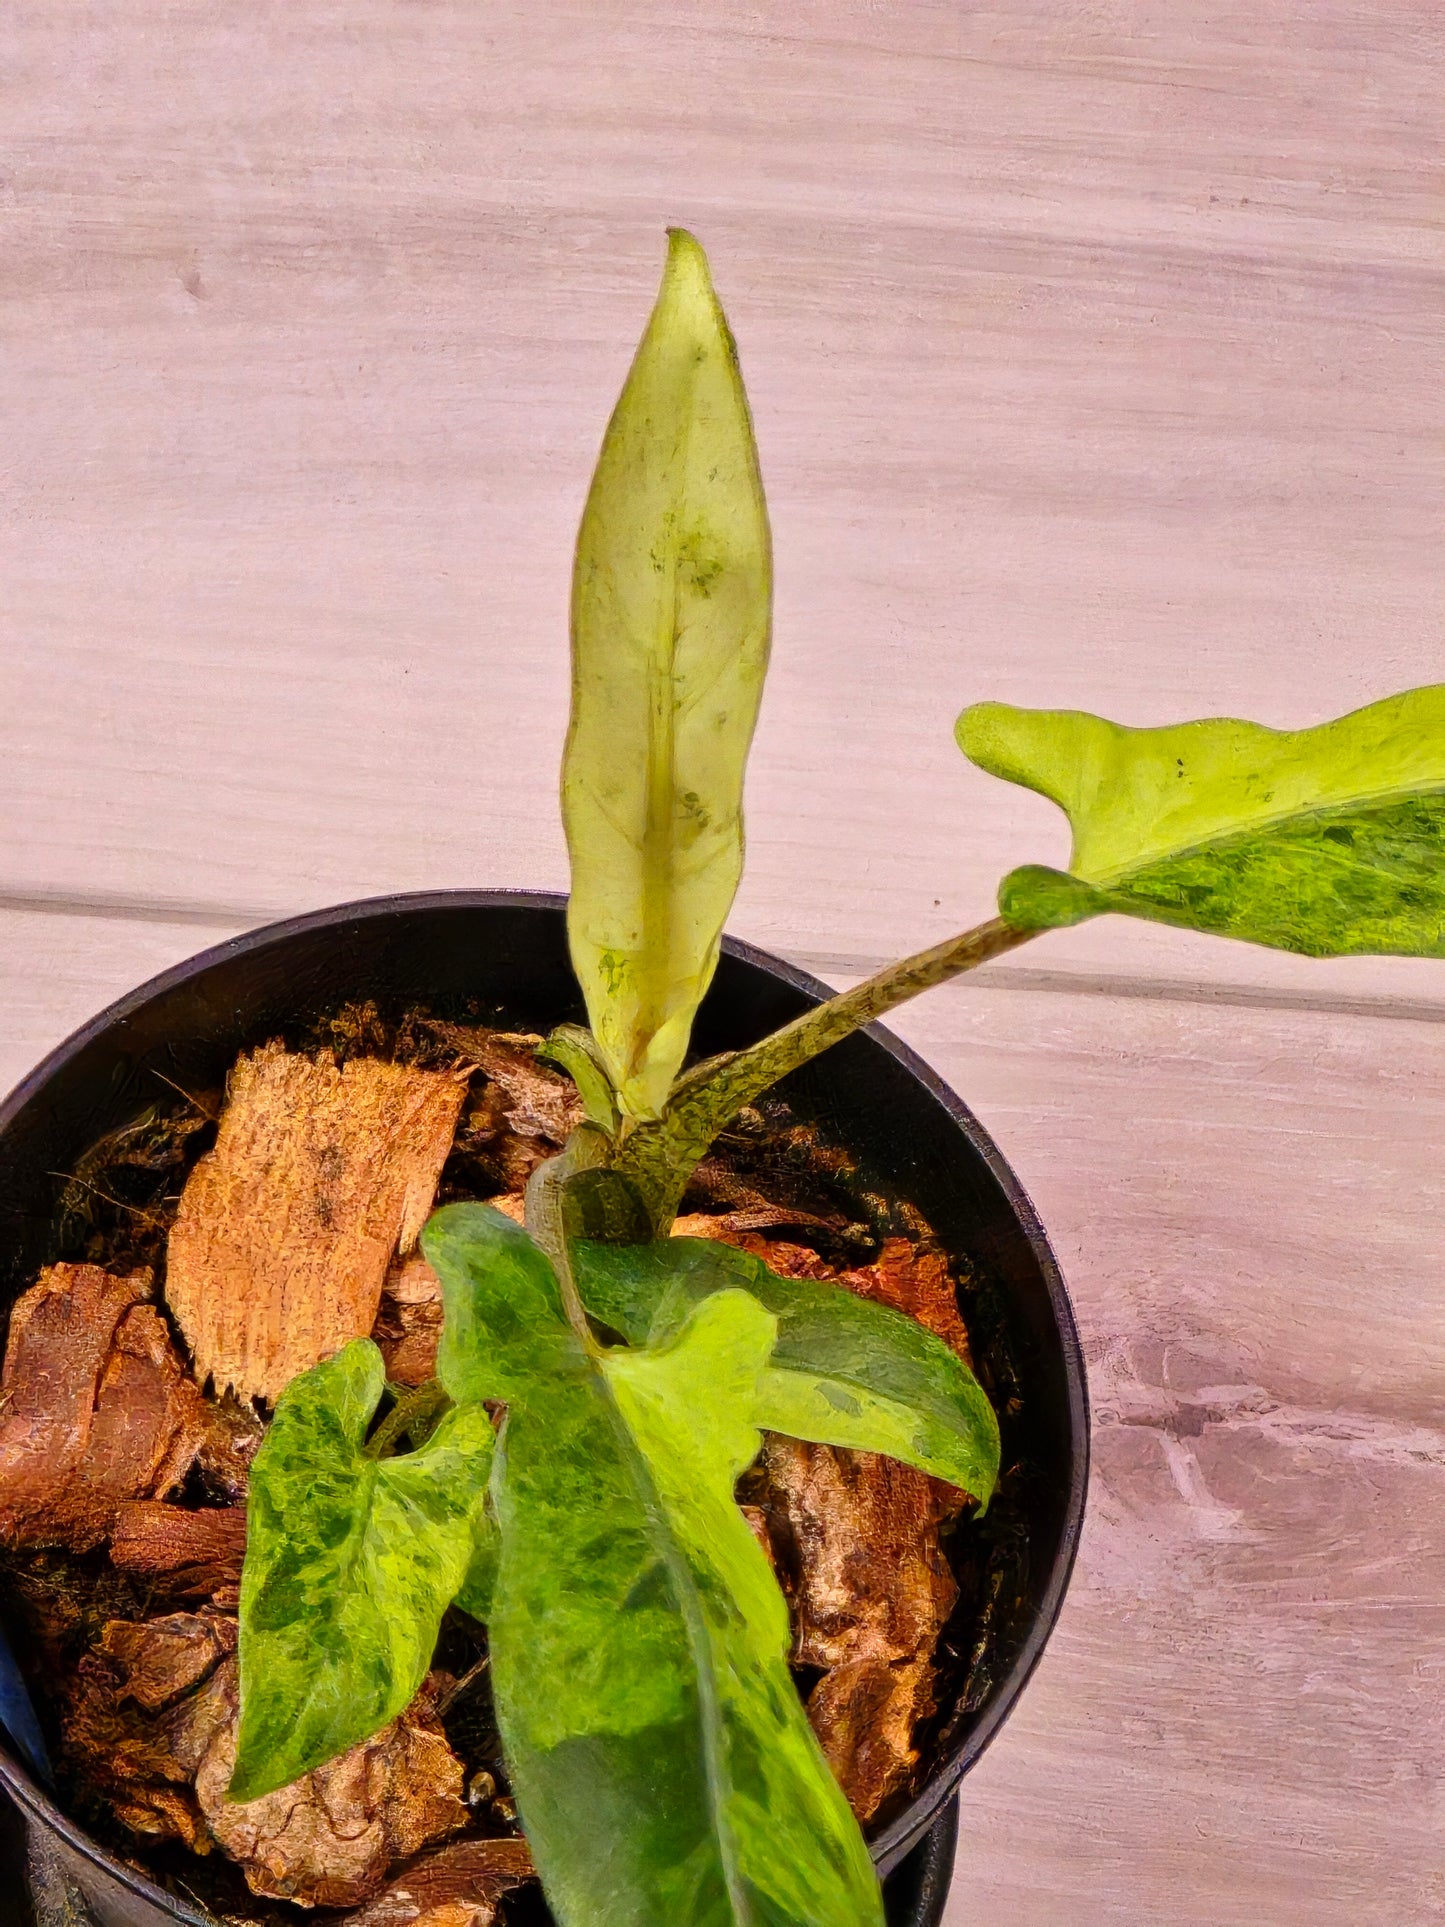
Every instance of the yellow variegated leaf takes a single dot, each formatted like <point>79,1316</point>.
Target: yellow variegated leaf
<point>1329,841</point>
<point>671,605</point>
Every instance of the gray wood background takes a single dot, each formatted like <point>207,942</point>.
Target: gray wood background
<point>1095,355</point>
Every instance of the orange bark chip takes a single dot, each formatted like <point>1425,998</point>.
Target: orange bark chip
<point>95,1408</point>
<point>320,1174</point>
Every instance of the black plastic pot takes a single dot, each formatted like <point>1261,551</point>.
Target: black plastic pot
<point>490,953</point>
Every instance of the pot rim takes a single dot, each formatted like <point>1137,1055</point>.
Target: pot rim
<point>902,1833</point>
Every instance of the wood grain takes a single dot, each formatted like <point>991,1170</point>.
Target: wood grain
<point>1090,349</point>
<point>1242,1716</point>
<point>1095,357</point>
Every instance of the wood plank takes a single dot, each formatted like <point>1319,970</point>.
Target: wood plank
<point>1235,1191</point>
<point>1239,1719</point>
<point>1241,1715</point>
<point>1089,348</point>
<point>57,972</point>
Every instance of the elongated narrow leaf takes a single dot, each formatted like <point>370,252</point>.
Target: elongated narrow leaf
<point>350,1564</point>
<point>671,610</point>
<point>1329,841</point>
<point>844,1371</point>
<point>662,1762</point>
<point>687,1403</point>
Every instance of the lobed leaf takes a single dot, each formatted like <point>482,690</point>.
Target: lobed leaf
<point>1328,841</point>
<point>671,605</point>
<point>663,1765</point>
<point>350,1563</point>
<point>844,1370</point>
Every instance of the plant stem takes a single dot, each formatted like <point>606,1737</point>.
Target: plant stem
<point>660,1158</point>
<point>763,1064</point>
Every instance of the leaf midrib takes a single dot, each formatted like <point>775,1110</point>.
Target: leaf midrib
<point>658,927</point>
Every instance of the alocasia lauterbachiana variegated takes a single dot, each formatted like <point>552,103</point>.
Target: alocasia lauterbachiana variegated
<point>665,1772</point>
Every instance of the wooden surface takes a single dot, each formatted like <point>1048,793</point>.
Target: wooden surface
<point>1095,358</point>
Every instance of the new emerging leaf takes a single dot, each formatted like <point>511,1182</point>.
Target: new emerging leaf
<point>671,609</point>
<point>1328,841</point>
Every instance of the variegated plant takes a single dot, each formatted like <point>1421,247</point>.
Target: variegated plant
<point>665,1773</point>
<point>671,619</point>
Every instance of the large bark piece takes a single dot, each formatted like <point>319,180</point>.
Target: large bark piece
<point>160,1661</point>
<point>331,1839</point>
<point>95,1408</point>
<point>320,1174</point>
<point>870,1591</point>
<point>152,1725</point>
<point>146,1705</point>
<point>187,1555</point>
<point>459,1886</point>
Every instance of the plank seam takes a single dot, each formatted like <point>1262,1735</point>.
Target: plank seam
<point>115,907</point>
<point>1179,990</point>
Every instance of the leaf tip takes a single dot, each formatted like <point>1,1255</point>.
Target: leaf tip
<point>992,736</point>
<point>687,299</point>
<point>687,256</point>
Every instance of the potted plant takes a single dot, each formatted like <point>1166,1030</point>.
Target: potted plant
<point>568,1475</point>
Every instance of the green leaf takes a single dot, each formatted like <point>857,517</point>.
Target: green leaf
<point>1328,841</point>
<point>844,1371</point>
<point>663,1765</point>
<point>671,604</point>
<point>502,1322</point>
<point>350,1563</point>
